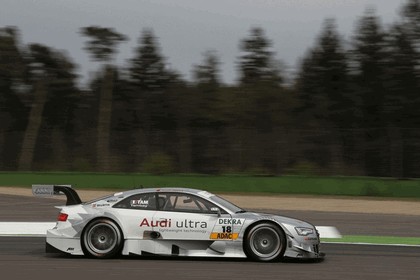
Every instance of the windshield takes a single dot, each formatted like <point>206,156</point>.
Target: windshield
<point>226,204</point>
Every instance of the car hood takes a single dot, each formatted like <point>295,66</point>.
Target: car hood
<point>280,219</point>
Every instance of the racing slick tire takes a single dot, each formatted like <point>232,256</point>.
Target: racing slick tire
<point>102,238</point>
<point>265,242</point>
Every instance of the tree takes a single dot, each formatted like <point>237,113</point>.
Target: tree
<point>53,79</point>
<point>325,101</point>
<point>256,63</point>
<point>103,42</point>
<point>148,71</point>
<point>323,80</point>
<point>256,105</point>
<point>205,120</point>
<point>407,35</point>
<point>102,47</point>
<point>370,57</point>
<point>207,74</point>
<point>151,103</point>
<point>410,13</point>
<point>369,60</point>
<point>11,58</point>
<point>403,99</point>
<point>207,84</point>
<point>13,113</point>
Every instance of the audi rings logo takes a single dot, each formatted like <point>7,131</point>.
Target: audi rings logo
<point>47,190</point>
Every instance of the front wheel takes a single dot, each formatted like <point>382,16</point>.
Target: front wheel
<point>102,239</point>
<point>265,242</point>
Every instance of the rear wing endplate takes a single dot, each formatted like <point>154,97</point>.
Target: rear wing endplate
<point>53,190</point>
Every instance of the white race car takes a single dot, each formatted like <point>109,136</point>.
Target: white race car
<point>174,222</point>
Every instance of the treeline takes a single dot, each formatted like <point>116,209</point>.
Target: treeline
<point>351,109</point>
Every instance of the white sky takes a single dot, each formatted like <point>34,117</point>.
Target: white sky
<point>188,28</point>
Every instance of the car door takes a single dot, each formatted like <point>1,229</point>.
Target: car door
<point>184,216</point>
<point>136,215</point>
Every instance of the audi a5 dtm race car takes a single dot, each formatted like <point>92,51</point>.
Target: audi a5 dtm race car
<point>174,222</point>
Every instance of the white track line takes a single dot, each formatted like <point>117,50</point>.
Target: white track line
<point>25,228</point>
<point>328,232</point>
<point>370,244</point>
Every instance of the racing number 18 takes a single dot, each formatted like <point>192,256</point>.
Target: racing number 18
<point>227,229</point>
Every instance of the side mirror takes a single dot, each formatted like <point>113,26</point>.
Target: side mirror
<point>216,210</point>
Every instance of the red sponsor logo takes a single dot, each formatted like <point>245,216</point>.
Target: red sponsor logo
<point>161,223</point>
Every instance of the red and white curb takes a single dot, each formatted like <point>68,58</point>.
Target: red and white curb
<point>40,229</point>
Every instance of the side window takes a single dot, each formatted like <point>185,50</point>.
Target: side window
<point>144,201</point>
<point>179,202</point>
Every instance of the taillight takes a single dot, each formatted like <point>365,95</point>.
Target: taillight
<point>62,217</point>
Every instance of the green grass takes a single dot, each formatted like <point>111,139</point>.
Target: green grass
<point>347,186</point>
<point>375,240</point>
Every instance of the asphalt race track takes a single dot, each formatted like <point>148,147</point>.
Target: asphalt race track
<point>24,257</point>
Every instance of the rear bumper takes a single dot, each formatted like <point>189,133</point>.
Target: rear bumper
<point>55,243</point>
<point>50,249</point>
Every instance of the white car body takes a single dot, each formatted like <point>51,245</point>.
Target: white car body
<point>176,222</point>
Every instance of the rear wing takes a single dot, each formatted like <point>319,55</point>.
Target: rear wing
<point>53,190</point>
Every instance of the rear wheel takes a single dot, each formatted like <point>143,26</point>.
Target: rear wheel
<point>102,239</point>
<point>265,242</point>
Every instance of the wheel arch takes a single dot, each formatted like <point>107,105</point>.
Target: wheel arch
<point>112,219</point>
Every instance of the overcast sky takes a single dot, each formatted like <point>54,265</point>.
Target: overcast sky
<point>188,28</point>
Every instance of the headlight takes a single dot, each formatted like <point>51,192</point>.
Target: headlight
<point>304,231</point>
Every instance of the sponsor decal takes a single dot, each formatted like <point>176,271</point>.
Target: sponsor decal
<point>43,190</point>
<point>183,230</point>
<point>100,205</point>
<point>229,221</point>
<point>139,203</point>
<point>161,223</point>
<point>167,223</point>
<point>226,233</point>
<point>191,224</point>
<point>311,238</point>
<point>223,235</point>
<point>223,229</point>
<point>227,228</point>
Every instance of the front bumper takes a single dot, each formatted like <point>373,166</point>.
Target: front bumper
<point>303,247</point>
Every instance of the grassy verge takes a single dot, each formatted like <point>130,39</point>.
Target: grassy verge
<point>388,240</point>
<point>348,186</point>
